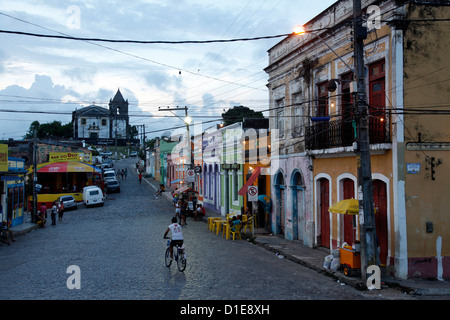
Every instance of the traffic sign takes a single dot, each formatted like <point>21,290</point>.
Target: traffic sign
<point>252,193</point>
<point>190,175</point>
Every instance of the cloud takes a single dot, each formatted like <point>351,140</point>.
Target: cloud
<point>162,80</point>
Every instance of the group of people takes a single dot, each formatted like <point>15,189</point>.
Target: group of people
<point>184,208</point>
<point>122,173</point>
<point>57,209</point>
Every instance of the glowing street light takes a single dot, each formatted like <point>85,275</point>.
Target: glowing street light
<point>300,30</point>
<point>188,120</point>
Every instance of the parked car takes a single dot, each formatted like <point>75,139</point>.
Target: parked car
<point>133,154</point>
<point>92,196</point>
<point>112,185</point>
<point>109,174</point>
<point>105,153</point>
<point>68,201</point>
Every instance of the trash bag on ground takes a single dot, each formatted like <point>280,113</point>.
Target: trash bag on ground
<point>335,264</point>
<point>327,261</point>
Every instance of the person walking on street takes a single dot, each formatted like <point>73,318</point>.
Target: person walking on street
<point>126,172</point>
<point>140,177</point>
<point>53,214</point>
<point>60,211</point>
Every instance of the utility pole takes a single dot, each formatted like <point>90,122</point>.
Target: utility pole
<point>34,210</point>
<point>365,188</point>
<point>188,140</point>
<point>145,152</point>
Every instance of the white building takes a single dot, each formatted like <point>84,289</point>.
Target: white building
<point>99,125</point>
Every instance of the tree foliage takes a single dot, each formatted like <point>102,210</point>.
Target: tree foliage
<point>55,129</point>
<point>238,113</point>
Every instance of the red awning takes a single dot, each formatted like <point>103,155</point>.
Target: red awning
<point>250,181</point>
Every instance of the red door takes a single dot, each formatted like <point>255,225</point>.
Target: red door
<point>324,214</point>
<point>349,231</point>
<point>380,204</point>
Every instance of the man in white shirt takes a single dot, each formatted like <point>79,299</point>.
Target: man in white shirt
<point>177,235</point>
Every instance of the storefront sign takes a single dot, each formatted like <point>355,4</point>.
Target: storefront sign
<point>229,166</point>
<point>3,158</point>
<point>69,156</point>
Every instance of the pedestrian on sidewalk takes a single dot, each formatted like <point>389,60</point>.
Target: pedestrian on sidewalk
<point>61,211</point>
<point>140,177</point>
<point>53,214</point>
<point>178,210</point>
<point>4,227</point>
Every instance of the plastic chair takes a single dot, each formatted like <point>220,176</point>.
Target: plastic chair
<point>248,224</point>
<point>237,231</point>
<point>211,224</point>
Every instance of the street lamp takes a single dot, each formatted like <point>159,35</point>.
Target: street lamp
<point>300,30</point>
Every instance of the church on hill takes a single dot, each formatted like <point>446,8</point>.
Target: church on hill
<point>98,125</point>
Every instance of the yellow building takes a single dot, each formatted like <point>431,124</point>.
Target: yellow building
<point>311,84</point>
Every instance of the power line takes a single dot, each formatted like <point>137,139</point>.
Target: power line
<point>40,35</point>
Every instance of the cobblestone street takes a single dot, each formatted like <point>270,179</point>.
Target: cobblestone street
<point>119,249</point>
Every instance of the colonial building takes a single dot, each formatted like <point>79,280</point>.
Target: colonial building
<point>98,125</point>
<point>312,111</point>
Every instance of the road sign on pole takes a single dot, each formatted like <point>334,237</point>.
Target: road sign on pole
<point>252,193</point>
<point>190,175</point>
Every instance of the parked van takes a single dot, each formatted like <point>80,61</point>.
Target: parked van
<point>93,196</point>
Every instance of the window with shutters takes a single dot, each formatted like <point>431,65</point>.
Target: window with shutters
<point>322,105</point>
<point>280,117</point>
<point>377,97</point>
<point>298,115</point>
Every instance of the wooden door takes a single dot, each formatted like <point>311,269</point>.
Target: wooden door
<point>324,214</point>
<point>380,204</point>
<point>349,228</point>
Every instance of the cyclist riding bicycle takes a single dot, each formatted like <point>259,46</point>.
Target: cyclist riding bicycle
<point>177,235</point>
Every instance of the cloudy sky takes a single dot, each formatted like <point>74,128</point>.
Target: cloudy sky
<point>56,76</point>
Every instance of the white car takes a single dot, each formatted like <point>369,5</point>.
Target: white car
<point>68,201</point>
<point>109,174</point>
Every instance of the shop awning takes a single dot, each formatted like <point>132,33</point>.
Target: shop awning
<point>66,166</point>
<point>250,181</point>
<point>184,189</point>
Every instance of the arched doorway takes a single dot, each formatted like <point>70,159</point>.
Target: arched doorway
<point>298,204</point>
<point>381,222</point>
<point>324,216</point>
<point>281,203</point>
<point>348,188</point>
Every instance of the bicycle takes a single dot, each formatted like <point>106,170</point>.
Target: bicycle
<point>178,254</point>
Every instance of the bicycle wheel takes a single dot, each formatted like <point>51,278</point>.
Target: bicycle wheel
<point>181,261</point>
<point>167,258</point>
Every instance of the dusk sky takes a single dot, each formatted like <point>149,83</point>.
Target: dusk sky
<point>56,76</point>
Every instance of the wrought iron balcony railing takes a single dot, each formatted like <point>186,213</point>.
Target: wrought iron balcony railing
<point>342,133</point>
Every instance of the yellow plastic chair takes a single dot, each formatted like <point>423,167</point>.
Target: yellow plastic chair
<point>211,223</point>
<point>226,230</point>
<point>248,224</point>
<point>236,232</point>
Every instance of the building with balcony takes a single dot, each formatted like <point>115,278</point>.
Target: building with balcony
<point>311,87</point>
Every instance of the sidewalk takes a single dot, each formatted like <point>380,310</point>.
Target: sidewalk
<point>303,255</point>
